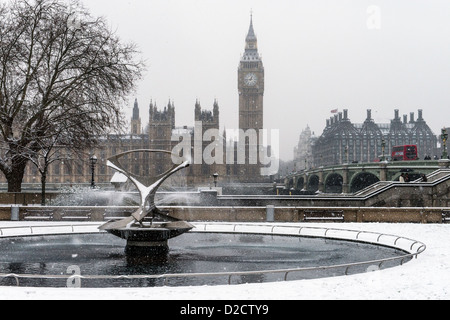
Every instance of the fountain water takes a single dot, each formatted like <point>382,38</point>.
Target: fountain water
<point>141,236</point>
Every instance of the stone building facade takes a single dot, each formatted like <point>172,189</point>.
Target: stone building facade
<point>344,142</point>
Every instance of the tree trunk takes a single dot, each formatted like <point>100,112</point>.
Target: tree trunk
<point>15,176</point>
<point>43,183</point>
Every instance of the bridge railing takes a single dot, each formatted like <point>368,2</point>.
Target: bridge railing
<point>428,164</point>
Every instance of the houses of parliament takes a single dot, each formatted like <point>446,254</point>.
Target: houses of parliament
<point>158,135</point>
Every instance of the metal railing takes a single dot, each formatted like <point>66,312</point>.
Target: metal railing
<point>41,229</point>
<point>412,248</point>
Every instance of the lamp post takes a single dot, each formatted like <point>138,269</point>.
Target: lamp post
<point>444,137</point>
<point>383,149</point>
<point>93,160</point>
<point>215,176</point>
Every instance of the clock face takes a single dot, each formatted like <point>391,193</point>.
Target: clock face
<point>250,79</point>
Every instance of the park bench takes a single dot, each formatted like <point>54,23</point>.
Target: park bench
<point>76,215</point>
<point>38,215</point>
<point>323,216</point>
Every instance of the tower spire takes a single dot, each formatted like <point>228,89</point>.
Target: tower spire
<point>251,37</point>
<point>251,42</point>
<point>136,110</point>
<point>136,119</point>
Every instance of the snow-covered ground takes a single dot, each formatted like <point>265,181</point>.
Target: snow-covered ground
<point>427,277</point>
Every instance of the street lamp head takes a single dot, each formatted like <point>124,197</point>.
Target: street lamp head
<point>93,159</point>
<point>444,134</point>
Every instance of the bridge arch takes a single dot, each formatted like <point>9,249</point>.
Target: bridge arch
<point>362,180</point>
<point>334,183</point>
<point>313,183</point>
<point>300,183</point>
<point>290,183</point>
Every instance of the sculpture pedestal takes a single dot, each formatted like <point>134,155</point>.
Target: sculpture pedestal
<point>151,238</point>
<point>146,240</point>
<point>147,247</point>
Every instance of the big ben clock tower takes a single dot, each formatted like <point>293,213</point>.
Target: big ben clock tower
<point>251,94</point>
<point>251,85</point>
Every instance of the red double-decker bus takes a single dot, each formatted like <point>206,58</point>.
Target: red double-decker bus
<point>404,153</point>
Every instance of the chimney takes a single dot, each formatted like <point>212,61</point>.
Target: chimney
<point>411,117</point>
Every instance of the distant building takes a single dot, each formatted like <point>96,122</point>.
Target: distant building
<point>251,101</point>
<point>303,155</point>
<point>343,141</point>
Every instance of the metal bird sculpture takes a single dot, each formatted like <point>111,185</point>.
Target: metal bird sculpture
<point>147,187</point>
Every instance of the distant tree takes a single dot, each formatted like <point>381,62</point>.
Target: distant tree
<point>59,147</point>
<point>58,65</point>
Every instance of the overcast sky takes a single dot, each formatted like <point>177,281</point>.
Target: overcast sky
<point>318,55</point>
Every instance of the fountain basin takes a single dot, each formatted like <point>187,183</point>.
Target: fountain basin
<point>215,253</point>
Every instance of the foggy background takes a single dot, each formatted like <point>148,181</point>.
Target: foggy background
<point>318,55</point>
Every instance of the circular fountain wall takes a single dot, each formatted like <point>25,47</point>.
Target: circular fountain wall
<point>214,254</point>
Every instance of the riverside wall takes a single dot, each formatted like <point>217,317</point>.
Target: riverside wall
<point>234,214</point>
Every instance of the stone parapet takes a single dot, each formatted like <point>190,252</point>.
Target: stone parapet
<point>237,214</point>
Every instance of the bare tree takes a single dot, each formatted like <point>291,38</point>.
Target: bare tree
<point>58,65</point>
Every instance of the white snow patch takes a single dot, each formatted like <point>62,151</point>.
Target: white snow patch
<point>427,277</point>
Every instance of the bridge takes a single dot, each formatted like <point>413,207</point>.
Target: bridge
<point>353,177</point>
